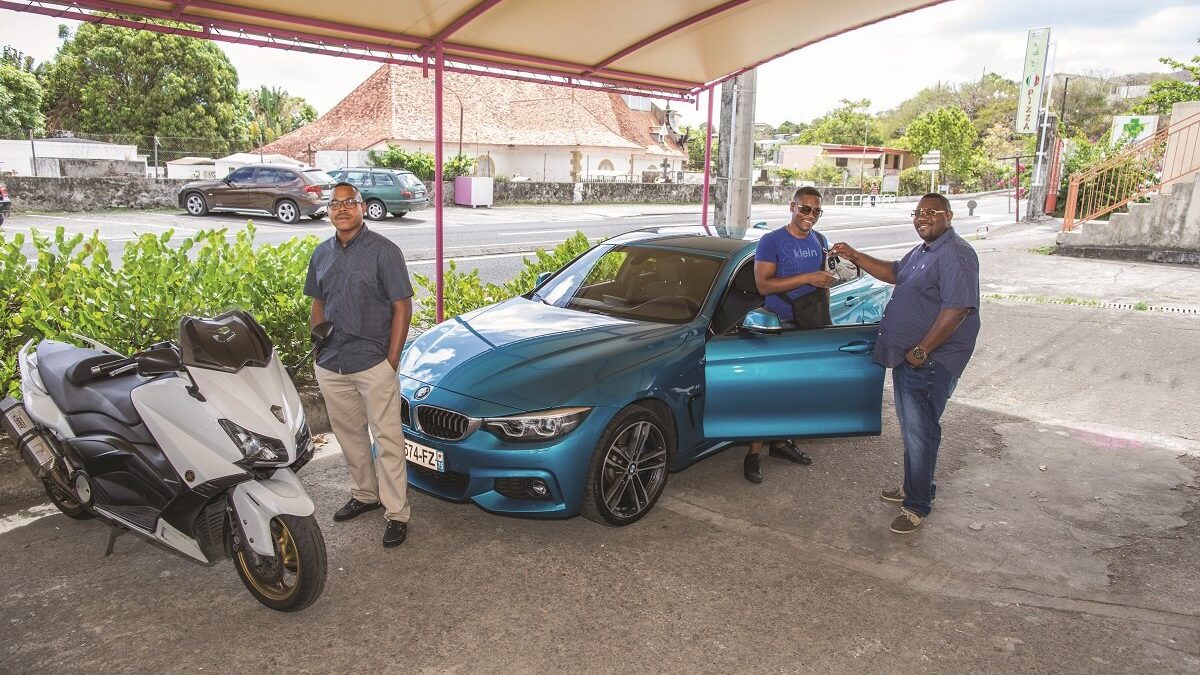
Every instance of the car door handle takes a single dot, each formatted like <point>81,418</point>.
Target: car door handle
<point>851,300</point>
<point>857,347</point>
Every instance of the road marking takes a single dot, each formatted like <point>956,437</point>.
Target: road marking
<point>472,257</point>
<point>862,229</point>
<point>113,222</point>
<point>526,232</point>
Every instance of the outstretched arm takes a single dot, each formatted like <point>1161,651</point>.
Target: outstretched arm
<point>882,270</point>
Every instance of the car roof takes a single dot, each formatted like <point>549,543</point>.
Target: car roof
<point>371,168</point>
<point>697,243</point>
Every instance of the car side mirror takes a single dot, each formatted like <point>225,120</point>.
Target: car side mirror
<point>761,225</point>
<point>158,361</point>
<point>761,322</point>
<point>541,278</point>
<point>320,333</point>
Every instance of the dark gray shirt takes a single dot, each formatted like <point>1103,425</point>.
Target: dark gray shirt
<point>358,283</point>
<point>930,278</point>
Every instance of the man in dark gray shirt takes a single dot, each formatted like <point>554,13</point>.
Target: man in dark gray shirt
<point>358,280</point>
<point>926,337</point>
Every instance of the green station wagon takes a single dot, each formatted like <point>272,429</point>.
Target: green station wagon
<point>385,191</point>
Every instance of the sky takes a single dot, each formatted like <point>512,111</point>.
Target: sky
<point>886,63</point>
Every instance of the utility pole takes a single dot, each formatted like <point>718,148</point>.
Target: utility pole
<point>33,153</point>
<point>1062,109</point>
<point>735,156</point>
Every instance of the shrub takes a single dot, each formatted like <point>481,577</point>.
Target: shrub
<point>73,286</point>
<point>420,162</point>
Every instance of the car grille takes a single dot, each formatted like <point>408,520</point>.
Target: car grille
<point>448,484</point>
<point>444,424</point>
<point>405,413</point>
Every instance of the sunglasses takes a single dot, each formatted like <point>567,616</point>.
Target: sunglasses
<point>806,210</point>
<point>927,213</point>
<point>343,203</point>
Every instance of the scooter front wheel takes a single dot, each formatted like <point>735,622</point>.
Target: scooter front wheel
<point>65,502</point>
<point>295,576</point>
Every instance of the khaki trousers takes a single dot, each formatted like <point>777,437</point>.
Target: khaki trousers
<point>362,401</point>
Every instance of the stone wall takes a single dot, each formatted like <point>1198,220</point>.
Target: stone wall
<point>86,194</point>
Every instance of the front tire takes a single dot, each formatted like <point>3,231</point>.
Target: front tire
<point>376,210</point>
<point>295,577</point>
<point>287,212</point>
<point>195,204</point>
<point>628,471</point>
<point>65,502</point>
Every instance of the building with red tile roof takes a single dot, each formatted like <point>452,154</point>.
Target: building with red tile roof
<point>511,128</point>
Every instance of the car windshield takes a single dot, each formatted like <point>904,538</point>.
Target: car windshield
<point>642,283</point>
<point>318,177</point>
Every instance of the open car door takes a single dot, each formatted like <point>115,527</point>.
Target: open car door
<point>798,383</point>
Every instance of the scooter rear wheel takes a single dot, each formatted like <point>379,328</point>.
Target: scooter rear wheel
<point>295,576</point>
<point>65,502</point>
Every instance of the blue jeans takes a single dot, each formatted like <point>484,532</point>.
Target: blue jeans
<point>921,396</point>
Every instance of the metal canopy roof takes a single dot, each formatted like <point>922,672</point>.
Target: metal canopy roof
<point>669,49</point>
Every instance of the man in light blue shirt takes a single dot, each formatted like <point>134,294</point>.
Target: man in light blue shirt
<point>926,337</point>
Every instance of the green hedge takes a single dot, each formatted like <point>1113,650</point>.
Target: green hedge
<point>73,286</point>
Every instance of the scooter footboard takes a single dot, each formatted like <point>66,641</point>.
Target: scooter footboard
<point>258,501</point>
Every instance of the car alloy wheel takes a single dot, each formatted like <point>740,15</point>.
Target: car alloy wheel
<point>629,469</point>
<point>195,204</point>
<point>376,210</point>
<point>287,212</point>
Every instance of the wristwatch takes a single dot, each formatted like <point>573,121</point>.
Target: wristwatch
<point>919,353</point>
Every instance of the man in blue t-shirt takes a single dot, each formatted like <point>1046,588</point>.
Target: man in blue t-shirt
<point>926,337</point>
<point>789,270</point>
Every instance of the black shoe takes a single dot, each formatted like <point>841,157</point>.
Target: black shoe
<point>789,451</point>
<point>752,467</point>
<point>354,509</point>
<point>395,534</point>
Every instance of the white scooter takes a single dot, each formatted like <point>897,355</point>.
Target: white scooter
<point>193,445</point>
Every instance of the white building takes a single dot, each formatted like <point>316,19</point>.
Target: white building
<point>192,168</point>
<point>511,129</point>
<point>17,156</point>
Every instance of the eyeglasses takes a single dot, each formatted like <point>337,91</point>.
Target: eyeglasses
<point>927,213</point>
<point>806,210</point>
<point>343,203</point>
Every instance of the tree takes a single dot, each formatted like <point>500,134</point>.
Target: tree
<point>133,83</point>
<point>275,112</point>
<point>17,59</point>
<point>20,102</point>
<point>790,128</point>
<point>844,124</point>
<point>695,147</point>
<point>893,122</point>
<point>950,131</point>
<point>1166,93</point>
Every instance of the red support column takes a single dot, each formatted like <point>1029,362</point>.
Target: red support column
<point>438,72</point>
<point>707,164</point>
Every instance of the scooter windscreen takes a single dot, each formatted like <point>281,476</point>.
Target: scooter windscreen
<point>227,342</point>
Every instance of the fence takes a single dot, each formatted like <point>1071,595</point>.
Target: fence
<point>860,199</point>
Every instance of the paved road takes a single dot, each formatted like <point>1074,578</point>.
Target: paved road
<point>510,229</point>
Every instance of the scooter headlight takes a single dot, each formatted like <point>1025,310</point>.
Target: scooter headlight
<point>256,448</point>
<point>539,426</point>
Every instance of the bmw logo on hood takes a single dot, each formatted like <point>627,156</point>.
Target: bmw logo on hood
<point>422,392</point>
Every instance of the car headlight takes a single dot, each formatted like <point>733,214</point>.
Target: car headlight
<point>539,426</point>
<point>256,448</point>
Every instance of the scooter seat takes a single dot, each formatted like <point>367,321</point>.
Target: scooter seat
<point>65,371</point>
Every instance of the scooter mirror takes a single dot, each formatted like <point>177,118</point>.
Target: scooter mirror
<point>321,332</point>
<point>158,361</point>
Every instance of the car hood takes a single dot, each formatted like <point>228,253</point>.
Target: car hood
<point>529,355</point>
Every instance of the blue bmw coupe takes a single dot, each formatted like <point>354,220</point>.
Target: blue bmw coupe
<point>643,355</point>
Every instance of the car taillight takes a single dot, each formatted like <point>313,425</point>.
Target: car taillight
<point>315,190</point>
<point>406,194</point>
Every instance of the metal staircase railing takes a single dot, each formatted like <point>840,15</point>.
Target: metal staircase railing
<point>1134,172</point>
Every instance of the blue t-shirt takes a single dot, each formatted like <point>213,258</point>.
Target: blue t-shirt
<point>791,256</point>
<point>930,278</point>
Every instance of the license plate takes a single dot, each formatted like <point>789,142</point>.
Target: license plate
<point>422,456</point>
